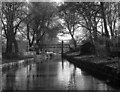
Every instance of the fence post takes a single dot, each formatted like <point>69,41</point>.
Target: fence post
<point>62,54</point>
<point>62,49</point>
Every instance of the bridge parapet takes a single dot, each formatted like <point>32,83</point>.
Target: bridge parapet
<point>54,45</point>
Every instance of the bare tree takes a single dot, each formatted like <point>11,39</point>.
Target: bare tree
<point>112,16</point>
<point>42,14</point>
<point>12,16</point>
<point>87,16</point>
<point>71,21</point>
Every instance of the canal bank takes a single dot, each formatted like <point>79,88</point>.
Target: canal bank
<point>9,64</point>
<point>105,69</point>
<point>16,64</point>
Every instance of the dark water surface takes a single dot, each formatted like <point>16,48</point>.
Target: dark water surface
<point>50,75</point>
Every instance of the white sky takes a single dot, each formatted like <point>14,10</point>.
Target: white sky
<point>57,1</point>
<point>65,37</point>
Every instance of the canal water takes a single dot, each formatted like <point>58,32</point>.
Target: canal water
<point>51,74</point>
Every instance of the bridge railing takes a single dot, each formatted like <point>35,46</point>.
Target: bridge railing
<point>54,46</point>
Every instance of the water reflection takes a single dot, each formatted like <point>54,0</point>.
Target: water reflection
<point>10,77</point>
<point>50,75</point>
<point>74,79</point>
<point>21,78</point>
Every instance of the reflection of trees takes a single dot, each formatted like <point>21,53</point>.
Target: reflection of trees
<point>10,81</point>
<point>72,82</point>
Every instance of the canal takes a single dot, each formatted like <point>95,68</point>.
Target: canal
<point>51,74</point>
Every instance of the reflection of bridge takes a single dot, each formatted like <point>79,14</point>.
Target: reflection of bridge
<point>54,46</point>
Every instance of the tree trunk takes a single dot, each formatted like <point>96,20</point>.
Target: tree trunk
<point>37,48</point>
<point>28,38</point>
<point>102,30</point>
<point>15,46</point>
<point>31,41</point>
<point>91,39</point>
<point>95,33</point>
<point>8,46</point>
<point>75,45</point>
<point>111,31</point>
<point>9,49</point>
<point>104,19</point>
<point>105,27</point>
<point>30,44</point>
<point>74,42</point>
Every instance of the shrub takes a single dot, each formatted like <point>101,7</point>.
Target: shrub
<point>10,55</point>
<point>87,48</point>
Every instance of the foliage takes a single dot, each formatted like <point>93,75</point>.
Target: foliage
<point>70,20</point>
<point>42,20</point>
<point>111,11</point>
